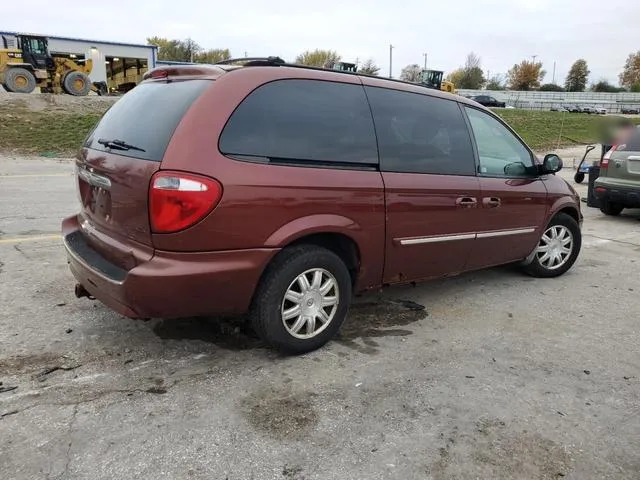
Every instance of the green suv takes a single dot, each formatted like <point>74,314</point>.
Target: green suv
<point>618,186</point>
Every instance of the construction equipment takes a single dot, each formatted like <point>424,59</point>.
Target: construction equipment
<point>433,79</point>
<point>345,67</point>
<point>25,63</point>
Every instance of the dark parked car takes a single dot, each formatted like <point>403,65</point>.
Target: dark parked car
<point>574,108</point>
<point>279,191</point>
<point>630,111</point>
<point>488,101</point>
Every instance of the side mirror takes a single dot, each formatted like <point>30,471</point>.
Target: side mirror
<point>552,163</point>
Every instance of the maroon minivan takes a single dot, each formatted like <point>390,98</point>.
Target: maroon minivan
<point>280,190</point>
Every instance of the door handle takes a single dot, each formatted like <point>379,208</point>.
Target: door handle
<point>466,202</point>
<point>491,202</point>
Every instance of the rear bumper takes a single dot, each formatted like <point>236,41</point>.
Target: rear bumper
<point>629,197</point>
<point>170,284</point>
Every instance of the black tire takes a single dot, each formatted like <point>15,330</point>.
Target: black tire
<point>579,177</point>
<point>537,269</point>
<point>19,80</point>
<point>610,208</point>
<point>266,310</point>
<point>76,83</point>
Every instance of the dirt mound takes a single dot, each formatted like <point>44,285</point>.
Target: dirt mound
<point>38,102</point>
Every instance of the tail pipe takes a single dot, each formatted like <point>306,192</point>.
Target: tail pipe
<point>81,292</point>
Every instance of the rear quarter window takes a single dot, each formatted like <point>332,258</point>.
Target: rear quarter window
<point>146,117</point>
<point>303,122</point>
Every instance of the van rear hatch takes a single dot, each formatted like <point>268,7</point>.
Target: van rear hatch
<point>123,152</point>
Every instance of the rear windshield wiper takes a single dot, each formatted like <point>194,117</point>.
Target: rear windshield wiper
<point>119,145</point>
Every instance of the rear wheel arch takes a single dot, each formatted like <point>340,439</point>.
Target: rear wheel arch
<point>333,232</point>
<point>342,245</point>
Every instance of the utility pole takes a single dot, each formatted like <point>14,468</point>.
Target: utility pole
<point>245,54</point>
<point>390,61</point>
<point>425,55</point>
<point>554,73</point>
<point>534,58</point>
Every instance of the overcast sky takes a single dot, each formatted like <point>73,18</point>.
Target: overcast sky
<point>501,32</point>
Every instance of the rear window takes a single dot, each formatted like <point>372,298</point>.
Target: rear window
<point>303,121</point>
<point>632,143</point>
<point>146,118</point>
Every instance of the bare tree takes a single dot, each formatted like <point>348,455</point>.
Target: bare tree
<point>411,73</point>
<point>472,61</point>
<point>369,68</point>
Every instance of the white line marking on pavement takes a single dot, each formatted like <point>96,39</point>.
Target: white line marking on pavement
<point>38,175</point>
<point>34,238</point>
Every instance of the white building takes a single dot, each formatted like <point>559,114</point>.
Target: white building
<point>113,62</point>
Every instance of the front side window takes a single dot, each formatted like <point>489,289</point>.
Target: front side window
<point>500,152</point>
<point>420,133</point>
<point>303,121</point>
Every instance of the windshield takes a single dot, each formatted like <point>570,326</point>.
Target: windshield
<point>145,118</point>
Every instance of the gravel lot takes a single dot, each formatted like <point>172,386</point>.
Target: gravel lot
<point>500,376</point>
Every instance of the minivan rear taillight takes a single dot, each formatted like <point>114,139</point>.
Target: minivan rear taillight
<point>179,200</point>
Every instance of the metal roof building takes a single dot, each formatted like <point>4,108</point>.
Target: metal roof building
<point>113,62</point>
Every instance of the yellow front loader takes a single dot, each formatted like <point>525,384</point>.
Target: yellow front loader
<point>433,79</point>
<point>26,64</point>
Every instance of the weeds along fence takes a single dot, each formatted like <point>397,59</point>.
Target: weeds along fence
<point>612,102</point>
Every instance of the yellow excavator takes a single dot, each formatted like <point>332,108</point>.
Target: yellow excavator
<point>433,79</point>
<point>25,63</point>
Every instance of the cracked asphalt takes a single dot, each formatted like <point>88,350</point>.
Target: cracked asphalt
<point>490,375</point>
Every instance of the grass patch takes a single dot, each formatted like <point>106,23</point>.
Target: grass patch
<point>40,133</point>
<point>543,130</point>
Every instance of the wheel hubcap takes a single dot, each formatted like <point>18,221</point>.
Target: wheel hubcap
<point>310,303</point>
<point>555,247</point>
<point>21,81</point>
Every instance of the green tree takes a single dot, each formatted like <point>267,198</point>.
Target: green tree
<point>576,80</point>
<point>635,88</point>
<point>455,77</point>
<point>525,76</point>
<point>631,73</point>
<point>551,87</point>
<point>495,83</point>
<point>369,68</point>
<point>603,85</point>
<point>472,74</point>
<point>167,49</point>
<point>214,55</point>
<point>318,58</point>
<point>411,73</point>
<point>175,50</point>
<point>191,49</point>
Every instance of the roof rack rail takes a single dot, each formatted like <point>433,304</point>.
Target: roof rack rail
<point>351,69</point>
<point>253,61</point>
